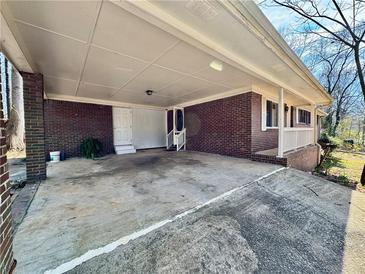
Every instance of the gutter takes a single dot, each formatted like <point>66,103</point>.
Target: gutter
<point>317,109</point>
<point>321,112</point>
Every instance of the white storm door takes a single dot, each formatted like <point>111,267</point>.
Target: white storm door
<point>122,126</point>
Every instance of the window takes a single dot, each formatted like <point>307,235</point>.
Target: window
<point>304,116</point>
<point>5,85</point>
<point>271,114</point>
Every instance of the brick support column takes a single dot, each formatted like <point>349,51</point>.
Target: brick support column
<point>34,126</point>
<point>6,238</point>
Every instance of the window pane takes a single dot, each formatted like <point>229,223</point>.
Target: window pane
<point>268,113</point>
<point>275,110</point>
<point>304,116</point>
<point>271,114</point>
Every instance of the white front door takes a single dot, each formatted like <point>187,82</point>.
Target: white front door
<point>122,126</point>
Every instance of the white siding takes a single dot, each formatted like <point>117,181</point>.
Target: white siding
<point>149,128</point>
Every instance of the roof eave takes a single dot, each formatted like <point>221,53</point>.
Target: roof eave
<point>257,18</point>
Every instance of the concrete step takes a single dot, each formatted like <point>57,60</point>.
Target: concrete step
<point>172,148</point>
<point>125,149</point>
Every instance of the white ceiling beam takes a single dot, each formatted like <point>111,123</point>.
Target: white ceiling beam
<point>89,42</point>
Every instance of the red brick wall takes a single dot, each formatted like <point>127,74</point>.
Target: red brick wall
<point>34,126</point>
<point>229,126</point>
<point>305,159</point>
<point>261,140</point>
<point>6,238</point>
<point>221,126</point>
<point>67,124</point>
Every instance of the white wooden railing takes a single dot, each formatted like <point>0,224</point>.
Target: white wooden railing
<point>180,139</point>
<point>297,137</point>
<point>176,138</point>
<point>170,139</point>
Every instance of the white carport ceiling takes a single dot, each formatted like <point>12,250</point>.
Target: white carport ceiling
<point>101,51</point>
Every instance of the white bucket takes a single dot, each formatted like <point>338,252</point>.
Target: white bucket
<point>55,156</point>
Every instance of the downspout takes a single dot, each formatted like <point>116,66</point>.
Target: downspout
<point>317,135</point>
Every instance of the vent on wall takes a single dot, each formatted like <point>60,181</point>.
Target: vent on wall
<point>202,9</point>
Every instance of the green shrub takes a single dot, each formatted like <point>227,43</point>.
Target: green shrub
<point>90,148</point>
<point>357,147</point>
<point>329,162</point>
<point>324,138</point>
<point>336,141</point>
<point>343,179</point>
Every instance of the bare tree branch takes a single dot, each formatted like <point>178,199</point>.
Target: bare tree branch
<point>333,19</point>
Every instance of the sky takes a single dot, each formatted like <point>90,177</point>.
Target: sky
<point>278,16</point>
<point>282,18</point>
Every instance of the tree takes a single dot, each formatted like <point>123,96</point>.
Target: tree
<point>12,92</point>
<point>16,127</point>
<point>332,63</point>
<point>342,22</point>
<point>338,78</point>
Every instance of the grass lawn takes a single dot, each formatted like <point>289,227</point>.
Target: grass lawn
<point>351,165</point>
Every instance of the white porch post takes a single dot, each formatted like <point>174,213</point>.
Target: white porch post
<point>313,123</point>
<point>281,123</point>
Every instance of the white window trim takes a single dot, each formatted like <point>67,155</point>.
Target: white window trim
<point>263,113</point>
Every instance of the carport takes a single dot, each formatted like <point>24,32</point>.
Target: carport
<point>84,61</point>
<point>148,58</point>
<point>84,205</point>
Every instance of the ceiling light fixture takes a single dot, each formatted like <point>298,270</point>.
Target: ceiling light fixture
<point>217,65</point>
<point>149,92</point>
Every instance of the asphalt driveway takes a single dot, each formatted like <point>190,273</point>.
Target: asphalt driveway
<point>289,222</point>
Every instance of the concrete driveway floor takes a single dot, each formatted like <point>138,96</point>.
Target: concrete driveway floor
<point>290,222</point>
<point>87,204</point>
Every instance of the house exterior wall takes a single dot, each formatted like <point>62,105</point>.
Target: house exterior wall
<point>261,140</point>
<point>34,126</point>
<point>6,238</point>
<point>67,124</point>
<point>229,126</point>
<point>222,126</point>
<point>233,126</point>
